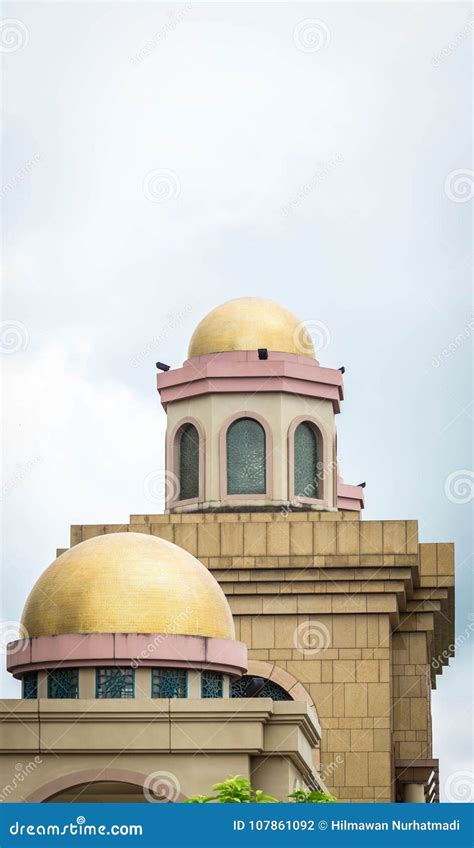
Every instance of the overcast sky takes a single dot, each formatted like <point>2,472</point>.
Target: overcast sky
<point>160,159</point>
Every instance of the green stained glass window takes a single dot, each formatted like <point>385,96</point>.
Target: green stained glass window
<point>63,683</point>
<point>307,470</point>
<point>246,473</point>
<point>169,683</point>
<point>212,684</point>
<point>188,462</point>
<point>30,684</point>
<point>115,683</point>
<point>258,687</point>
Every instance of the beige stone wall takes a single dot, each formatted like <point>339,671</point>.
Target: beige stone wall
<point>52,746</point>
<point>412,696</point>
<point>385,601</point>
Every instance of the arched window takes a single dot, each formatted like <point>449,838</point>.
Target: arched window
<point>188,462</point>
<point>246,471</point>
<point>258,687</point>
<point>306,463</point>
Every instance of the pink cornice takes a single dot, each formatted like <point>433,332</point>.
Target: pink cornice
<point>243,371</point>
<point>350,497</point>
<point>126,649</point>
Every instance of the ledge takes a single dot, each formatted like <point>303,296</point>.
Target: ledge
<point>76,650</point>
<point>245,372</point>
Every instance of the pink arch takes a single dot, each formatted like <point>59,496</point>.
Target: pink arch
<point>325,452</point>
<point>287,681</point>
<point>245,413</point>
<point>171,464</point>
<point>95,775</point>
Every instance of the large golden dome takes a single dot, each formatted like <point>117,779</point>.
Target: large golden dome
<point>247,324</point>
<point>127,583</point>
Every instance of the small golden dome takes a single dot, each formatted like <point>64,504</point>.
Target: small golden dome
<point>247,324</point>
<point>127,583</point>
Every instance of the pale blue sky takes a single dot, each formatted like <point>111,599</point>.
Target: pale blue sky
<point>245,120</point>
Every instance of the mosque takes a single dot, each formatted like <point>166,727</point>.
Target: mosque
<point>259,627</point>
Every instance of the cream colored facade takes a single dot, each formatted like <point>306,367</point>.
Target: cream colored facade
<point>144,749</point>
<point>278,411</point>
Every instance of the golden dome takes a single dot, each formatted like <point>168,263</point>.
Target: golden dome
<point>127,583</point>
<point>247,324</point>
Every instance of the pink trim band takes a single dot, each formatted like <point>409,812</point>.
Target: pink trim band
<point>136,649</point>
<point>243,371</point>
<point>350,497</point>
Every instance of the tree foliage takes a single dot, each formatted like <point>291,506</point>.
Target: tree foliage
<point>238,790</point>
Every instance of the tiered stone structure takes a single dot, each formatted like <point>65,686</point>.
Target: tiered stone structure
<point>343,613</point>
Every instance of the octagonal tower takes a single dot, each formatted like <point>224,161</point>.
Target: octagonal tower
<point>251,417</point>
